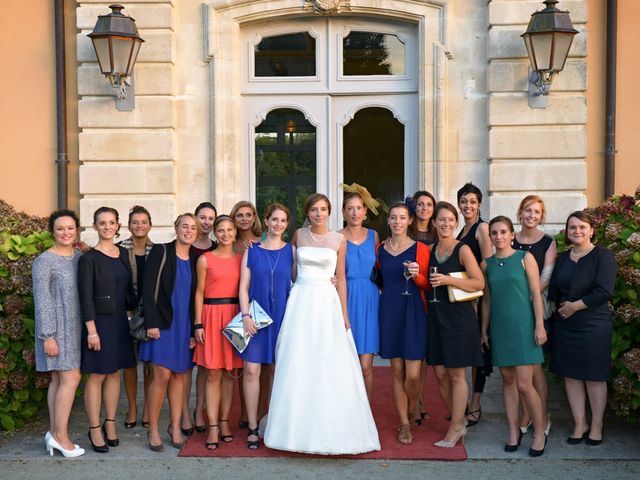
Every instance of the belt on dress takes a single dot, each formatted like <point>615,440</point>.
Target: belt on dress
<point>221,301</point>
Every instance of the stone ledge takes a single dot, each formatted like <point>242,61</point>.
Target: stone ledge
<point>126,145</point>
<point>150,112</point>
<point>161,208</point>
<point>158,47</point>
<point>150,79</point>
<point>514,110</point>
<point>511,13</point>
<point>537,175</point>
<point>511,76</point>
<point>127,178</point>
<point>146,16</point>
<point>505,42</point>
<point>158,234</point>
<point>541,142</point>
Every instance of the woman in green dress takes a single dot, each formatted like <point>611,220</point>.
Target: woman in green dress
<point>512,313</point>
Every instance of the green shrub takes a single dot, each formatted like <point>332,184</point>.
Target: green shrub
<point>22,394</point>
<point>618,228</point>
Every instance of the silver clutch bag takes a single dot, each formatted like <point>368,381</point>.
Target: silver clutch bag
<point>234,331</point>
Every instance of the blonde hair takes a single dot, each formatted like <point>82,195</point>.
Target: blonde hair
<point>256,228</point>
<point>528,200</point>
<point>176,224</point>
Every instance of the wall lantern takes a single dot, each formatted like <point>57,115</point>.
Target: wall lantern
<point>117,43</point>
<point>548,40</point>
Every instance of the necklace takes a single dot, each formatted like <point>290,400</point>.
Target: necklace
<point>397,248</point>
<point>503,260</point>
<point>579,255</point>
<point>443,257</point>
<point>66,257</point>
<point>272,268</point>
<point>318,239</point>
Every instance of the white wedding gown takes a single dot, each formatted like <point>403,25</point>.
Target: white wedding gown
<point>318,403</point>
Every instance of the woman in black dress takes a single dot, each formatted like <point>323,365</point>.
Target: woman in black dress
<point>530,238</point>
<point>475,233</point>
<point>453,335</point>
<point>582,285</point>
<point>106,299</point>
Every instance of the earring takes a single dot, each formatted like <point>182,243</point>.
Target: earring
<point>364,219</point>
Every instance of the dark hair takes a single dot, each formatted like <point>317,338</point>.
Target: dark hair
<point>63,212</point>
<point>469,188</point>
<point>414,225</point>
<point>276,206</point>
<point>136,210</point>
<point>442,205</point>
<point>111,210</point>
<point>351,195</point>
<point>502,219</point>
<point>313,199</point>
<point>206,205</point>
<point>583,217</point>
<point>401,205</point>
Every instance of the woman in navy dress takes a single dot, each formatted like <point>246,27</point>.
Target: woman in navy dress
<point>106,298</point>
<point>362,294</point>
<point>267,269</point>
<point>475,233</point>
<point>581,330</point>
<point>169,324</point>
<point>403,319</point>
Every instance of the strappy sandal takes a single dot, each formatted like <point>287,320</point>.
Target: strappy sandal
<point>404,434</point>
<point>212,445</point>
<point>253,444</point>
<point>475,415</point>
<point>225,438</point>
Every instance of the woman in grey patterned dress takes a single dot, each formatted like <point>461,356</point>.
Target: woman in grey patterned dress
<point>58,327</point>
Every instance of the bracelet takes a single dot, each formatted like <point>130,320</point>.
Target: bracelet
<point>247,315</point>
<point>92,336</point>
<point>197,326</point>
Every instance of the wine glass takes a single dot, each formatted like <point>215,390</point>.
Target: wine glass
<point>407,276</point>
<point>433,271</point>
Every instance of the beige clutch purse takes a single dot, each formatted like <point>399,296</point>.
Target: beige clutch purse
<point>457,295</point>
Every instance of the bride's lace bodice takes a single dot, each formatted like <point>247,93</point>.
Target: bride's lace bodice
<point>317,254</point>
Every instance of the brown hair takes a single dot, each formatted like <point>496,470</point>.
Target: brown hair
<point>350,196</point>
<point>273,207</point>
<point>256,228</point>
<point>313,199</point>
<point>502,219</point>
<point>583,217</point>
<point>442,205</point>
<point>528,200</point>
<point>192,217</point>
<point>60,214</point>
<point>111,210</point>
<point>138,209</point>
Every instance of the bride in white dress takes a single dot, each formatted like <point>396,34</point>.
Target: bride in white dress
<point>319,403</point>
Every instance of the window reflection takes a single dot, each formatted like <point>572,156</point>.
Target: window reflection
<point>290,55</point>
<point>285,144</point>
<point>372,53</point>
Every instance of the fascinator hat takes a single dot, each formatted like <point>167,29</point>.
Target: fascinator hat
<point>372,204</point>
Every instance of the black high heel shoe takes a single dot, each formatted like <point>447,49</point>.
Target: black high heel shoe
<point>253,444</point>
<point>514,448</point>
<point>199,428</point>
<point>130,425</point>
<point>577,440</point>
<point>590,441</point>
<point>212,445</point>
<point>226,438</point>
<point>97,448</point>
<point>112,442</point>
<point>538,453</point>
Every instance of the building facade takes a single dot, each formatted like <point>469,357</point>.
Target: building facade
<point>271,100</point>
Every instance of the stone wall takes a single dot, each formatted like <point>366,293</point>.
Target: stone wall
<point>535,150</point>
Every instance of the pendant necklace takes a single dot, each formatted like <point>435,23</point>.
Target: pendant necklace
<point>318,239</point>
<point>272,268</point>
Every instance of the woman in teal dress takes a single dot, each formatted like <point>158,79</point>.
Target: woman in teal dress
<point>512,313</point>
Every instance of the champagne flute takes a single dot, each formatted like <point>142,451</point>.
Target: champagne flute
<point>433,271</point>
<point>407,276</point>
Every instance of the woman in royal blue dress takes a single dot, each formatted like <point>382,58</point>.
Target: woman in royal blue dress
<point>362,294</point>
<point>267,270</point>
<point>403,318</point>
<point>169,323</point>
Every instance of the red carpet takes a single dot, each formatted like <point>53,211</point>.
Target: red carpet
<point>386,418</point>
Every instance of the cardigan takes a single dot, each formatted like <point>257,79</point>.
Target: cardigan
<point>594,279</point>
<point>160,314</point>
<point>97,284</point>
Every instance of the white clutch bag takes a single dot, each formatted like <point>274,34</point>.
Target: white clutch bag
<point>234,331</point>
<point>457,295</point>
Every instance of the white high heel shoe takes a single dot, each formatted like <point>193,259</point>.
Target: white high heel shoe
<point>53,444</point>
